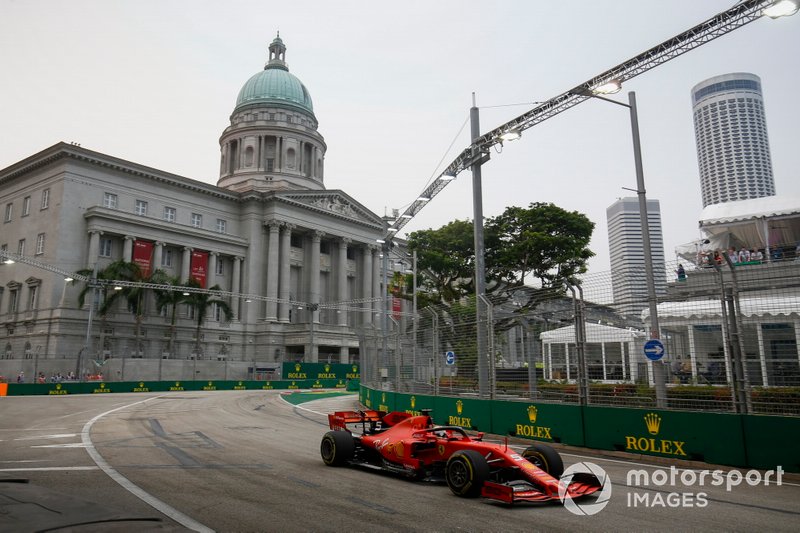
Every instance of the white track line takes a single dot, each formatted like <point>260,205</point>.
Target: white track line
<point>128,485</point>
<point>49,469</point>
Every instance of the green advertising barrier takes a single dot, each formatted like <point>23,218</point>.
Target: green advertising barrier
<point>468,413</point>
<point>377,399</point>
<point>772,441</point>
<point>316,371</point>
<point>414,403</point>
<point>538,421</point>
<point>710,437</point>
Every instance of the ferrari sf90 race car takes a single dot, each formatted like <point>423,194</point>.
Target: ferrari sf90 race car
<point>412,446</point>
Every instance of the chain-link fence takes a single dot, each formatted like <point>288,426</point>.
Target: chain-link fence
<point>730,334</point>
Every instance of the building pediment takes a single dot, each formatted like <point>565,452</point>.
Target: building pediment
<point>334,203</point>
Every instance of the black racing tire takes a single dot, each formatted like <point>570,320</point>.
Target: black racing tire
<point>466,472</point>
<point>545,458</point>
<point>337,448</point>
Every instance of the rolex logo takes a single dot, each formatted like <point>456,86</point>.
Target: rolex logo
<point>383,398</point>
<point>141,383</point>
<point>327,368</point>
<point>532,412</point>
<point>355,369</point>
<point>459,406</point>
<point>413,401</point>
<point>653,422</point>
<point>297,367</point>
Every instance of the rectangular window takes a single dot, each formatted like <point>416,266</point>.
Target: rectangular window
<point>270,165</point>
<point>32,298</point>
<point>12,300</point>
<point>220,267</point>
<point>169,214</point>
<point>166,258</point>
<point>110,200</point>
<point>197,220</point>
<point>40,244</point>
<point>105,247</point>
<point>26,206</point>
<point>217,312</point>
<point>141,208</point>
<point>222,225</point>
<point>9,212</point>
<point>21,247</point>
<point>45,198</point>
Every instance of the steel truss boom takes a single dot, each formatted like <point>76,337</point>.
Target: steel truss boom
<point>723,23</point>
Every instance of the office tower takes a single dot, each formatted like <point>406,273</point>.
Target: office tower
<point>732,145</point>
<point>628,273</point>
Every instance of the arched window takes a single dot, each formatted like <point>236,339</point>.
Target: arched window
<point>290,156</point>
<point>248,156</point>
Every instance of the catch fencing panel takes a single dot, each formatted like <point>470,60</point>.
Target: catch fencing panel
<point>730,334</point>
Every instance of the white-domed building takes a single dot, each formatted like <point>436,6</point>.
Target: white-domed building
<point>269,230</point>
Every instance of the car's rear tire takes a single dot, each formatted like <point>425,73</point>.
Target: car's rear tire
<point>545,458</point>
<point>337,448</point>
<point>465,472</point>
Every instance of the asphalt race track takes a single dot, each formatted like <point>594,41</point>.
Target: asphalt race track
<point>249,461</point>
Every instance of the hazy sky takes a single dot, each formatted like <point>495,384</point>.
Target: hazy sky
<point>155,81</point>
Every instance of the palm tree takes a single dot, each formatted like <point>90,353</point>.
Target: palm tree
<point>200,301</point>
<point>117,270</point>
<point>171,299</point>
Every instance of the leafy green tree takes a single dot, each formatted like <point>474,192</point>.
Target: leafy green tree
<point>446,257</point>
<point>543,241</point>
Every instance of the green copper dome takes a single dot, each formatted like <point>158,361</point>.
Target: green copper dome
<point>275,85</point>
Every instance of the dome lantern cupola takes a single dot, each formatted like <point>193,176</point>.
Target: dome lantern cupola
<point>272,142</point>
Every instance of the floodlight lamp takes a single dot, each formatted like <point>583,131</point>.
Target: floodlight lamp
<point>447,177</point>
<point>380,241</point>
<point>609,87</point>
<point>423,199</point>
<point>392,229</point>
<point>68,279</point>
<point>782,8</point>
<point>510,135</point>
<point>405,215</point>
<point>9,261</point>
<point>186,294</point>
<point>117,288</point>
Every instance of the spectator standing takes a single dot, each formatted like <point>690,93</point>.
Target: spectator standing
<point>681,273</point>
<point>744,255</point>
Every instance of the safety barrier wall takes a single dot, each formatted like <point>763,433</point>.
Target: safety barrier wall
<point>754,441</point>
<point>102,387</point>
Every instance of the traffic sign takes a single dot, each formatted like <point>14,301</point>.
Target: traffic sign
<point>450,358</point>
<point>654,349</point>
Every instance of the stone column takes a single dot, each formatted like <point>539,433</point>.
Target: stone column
<point>284,278</point>
<point>186,262</point>
<point>376,283</point>
<point>127,248</point>
<point>158,254</point>
<point>366,283</point>
<point>314,273</point>
<point>212,268</point>
<point>342,278</point>
<point>94,247</point>
<point>236,285</point>
<point>273,274</point>
<point>344,355</point>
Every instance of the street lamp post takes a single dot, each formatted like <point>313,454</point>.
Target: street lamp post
<point>655,331</point>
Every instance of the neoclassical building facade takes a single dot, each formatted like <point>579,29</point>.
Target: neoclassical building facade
<point>303,258</point>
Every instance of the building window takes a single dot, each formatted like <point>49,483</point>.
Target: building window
<point>197,220</point>
<point>45,198</point>
<point>217,312</point>
<point>32,291</point>
<point>110,200</point>
<point>166,258</point>
<point>220,267</point>
<point>26,206</point>
<point>169,214</point>
<point>105,247</point>
<point>21,247</point>
<point>9,212</point>
<point>40,244</point>
<point>141,208</point>
<point>13,295</point>
<point>222,225</point>
<point>270,165</point>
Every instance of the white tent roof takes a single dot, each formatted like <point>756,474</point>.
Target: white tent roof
<point>594,333</point>
<point>742,210</point>
<point>750,307</point>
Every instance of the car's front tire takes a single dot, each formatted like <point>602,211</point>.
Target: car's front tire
<point>337,448</point>
<point>466,472</point>
<point>545,458</point>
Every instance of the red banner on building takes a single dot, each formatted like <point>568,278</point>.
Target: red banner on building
<point>143,256</point>
<point>198,268</point>
<point>397,307</point>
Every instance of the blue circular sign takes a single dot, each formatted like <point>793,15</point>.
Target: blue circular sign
<point>450,358</point>
<point>654,349</point>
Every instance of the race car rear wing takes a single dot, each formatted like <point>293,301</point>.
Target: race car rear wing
<point>340,419</point>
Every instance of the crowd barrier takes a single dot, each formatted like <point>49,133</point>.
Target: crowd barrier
<point>753,441</point>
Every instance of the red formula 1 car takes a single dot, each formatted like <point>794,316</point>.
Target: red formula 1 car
<point>416,448</point>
